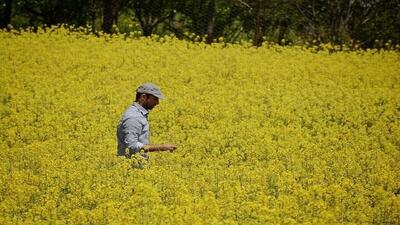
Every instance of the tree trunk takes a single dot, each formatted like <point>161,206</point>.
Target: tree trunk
<point>108,16</point>
<point>92,15</point>
<point>7,14</point>
<point>147,30</point>
<point>257,41</point>
<point>283,30</point>
<point>210,21</point>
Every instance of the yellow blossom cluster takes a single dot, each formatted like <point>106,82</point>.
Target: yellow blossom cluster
<point>269,135</point>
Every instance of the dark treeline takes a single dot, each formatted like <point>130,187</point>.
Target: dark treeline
<point>367,23</point>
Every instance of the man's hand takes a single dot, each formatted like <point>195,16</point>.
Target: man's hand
<point>168,147</point>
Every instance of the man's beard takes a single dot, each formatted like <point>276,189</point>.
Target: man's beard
<point>148,107</point>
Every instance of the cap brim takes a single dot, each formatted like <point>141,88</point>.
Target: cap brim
<point>159,96</point>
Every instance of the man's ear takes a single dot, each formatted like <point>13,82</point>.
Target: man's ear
<point>142,97</point>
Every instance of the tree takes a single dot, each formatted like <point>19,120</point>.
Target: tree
<point>6,14</point>
<point>257,40</point>
<point>108,15</point>
<point>52,12</point>
<point>342,21</point>
<point>273,19</point>
<point>210,20</point>
<point>376,22</point>
<point>214,18</point>
<point>92,15</point>
<point>151,13</point>
<point>370,22</point>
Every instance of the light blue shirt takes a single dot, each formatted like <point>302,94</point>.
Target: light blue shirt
<point>133,131</point>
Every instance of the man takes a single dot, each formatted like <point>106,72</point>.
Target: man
<point>133,131</point>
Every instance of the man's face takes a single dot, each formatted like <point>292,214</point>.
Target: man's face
<point>150,101</point>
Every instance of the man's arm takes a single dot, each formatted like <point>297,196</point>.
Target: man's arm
<point>159,148</point>
<point>132,129</point>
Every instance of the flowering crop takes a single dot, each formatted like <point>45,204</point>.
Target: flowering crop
<point>269,135</point>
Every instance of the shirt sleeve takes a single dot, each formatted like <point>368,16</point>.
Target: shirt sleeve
<point>132,130</point>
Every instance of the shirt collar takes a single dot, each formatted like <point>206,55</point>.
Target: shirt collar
<point>141,109</point>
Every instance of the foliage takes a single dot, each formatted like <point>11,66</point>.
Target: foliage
<point>269,135</point>
<point>51,12</point>
<point>371,23</point>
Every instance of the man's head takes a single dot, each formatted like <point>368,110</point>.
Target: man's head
<point>147,95</point>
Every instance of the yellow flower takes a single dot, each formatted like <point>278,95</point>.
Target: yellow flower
<point>266,135</point>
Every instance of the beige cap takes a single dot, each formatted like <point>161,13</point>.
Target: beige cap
<point>150,88</point>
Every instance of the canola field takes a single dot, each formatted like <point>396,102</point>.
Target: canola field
<point>270,135</point>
